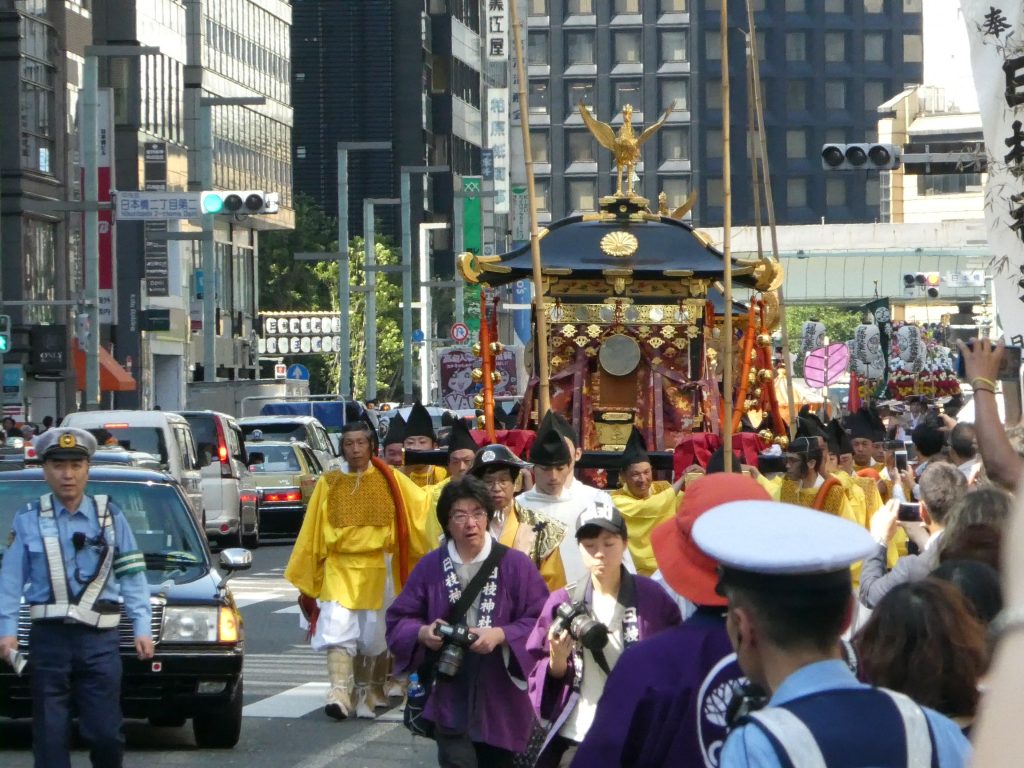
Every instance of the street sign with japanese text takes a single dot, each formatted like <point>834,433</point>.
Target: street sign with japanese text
<point>155,206</point>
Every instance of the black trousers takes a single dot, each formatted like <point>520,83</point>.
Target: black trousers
<point>460,752</point>
<point>73,663</point>
<point>563,749</point>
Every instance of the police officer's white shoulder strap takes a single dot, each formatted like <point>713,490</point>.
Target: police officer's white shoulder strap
<point>791,736</point>
<point>915,726</point>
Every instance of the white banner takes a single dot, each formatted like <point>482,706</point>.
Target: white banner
<point>496,30</point>
<point>997,60</point>
<point>497,140</point>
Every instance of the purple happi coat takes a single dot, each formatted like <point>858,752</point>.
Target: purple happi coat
<point>492,708</point>
<point>552,698</point>
<point>665,701</point>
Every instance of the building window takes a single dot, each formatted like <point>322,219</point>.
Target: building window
<point>39,249</point>
<point>796,6</point>
<point>874,6</point>
<point>675,93</point>
<point>540,146</point>
<point>627,6</point>
<point>835,192</point>
<point>37,97</point>
<point>874,46</point>
<point>673,45</point>
<point>628,92</point>
<point>542,194</point>
<point>715,194</point>
<point>912,6</point>
<point>835,6</point>
<point>580,47</point>
<point>713,143</point>
<point>627,47</point>
<point>874,94</point>
<point>581,195</point>
<point>713,94</point>
<point>796,144</point>
<point>579,7</point>
<point>579,93</point>
<point>675,143</point>
<point>835,94</point>
<point>538,96</point>
<point>796,95</point>
<point>948,183</point>
<point>580,146</point>
<point>537,48</point>
<point>676,189</point>
<point>912,48</point>
<point>835,46</point>
<point>796,46</point>
<point>538,8</point>
<point>796,193</point>
<point>713,45</point>
<point>672,6</point>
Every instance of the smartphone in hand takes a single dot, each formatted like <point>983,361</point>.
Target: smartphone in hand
<point>901,460</point>
<point>909,513</point>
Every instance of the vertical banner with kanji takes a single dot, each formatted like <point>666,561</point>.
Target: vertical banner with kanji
<point>473,241</point>
<point>496,30</point>
<point>996,32</point>
<point>497,142</point>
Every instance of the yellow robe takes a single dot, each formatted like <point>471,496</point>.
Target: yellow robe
<point>430,476</point>
<point>642,515</point>
<point>431,527</point>
<point>872,503</point>
<point>349,528</point>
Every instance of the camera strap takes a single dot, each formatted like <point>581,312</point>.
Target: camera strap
<point>627,599</point>
<point>472,590</point>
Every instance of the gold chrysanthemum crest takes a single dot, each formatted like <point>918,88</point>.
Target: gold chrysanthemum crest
<point>619,243</point>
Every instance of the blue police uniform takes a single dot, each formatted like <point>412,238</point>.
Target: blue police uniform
<point>849,723</point>
<point>820,716</point>
<point>74,569</point>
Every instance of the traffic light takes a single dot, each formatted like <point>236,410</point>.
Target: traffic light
<point>860,157</point>
<point>5,334</point>
<point>928,282</point>
<point>232,202</point>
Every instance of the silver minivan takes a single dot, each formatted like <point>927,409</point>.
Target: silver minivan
<point>163,434</point>
<point>229,489</point>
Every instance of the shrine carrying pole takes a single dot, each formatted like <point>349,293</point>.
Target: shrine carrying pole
<point>728,340</point>
<point>540,338</point>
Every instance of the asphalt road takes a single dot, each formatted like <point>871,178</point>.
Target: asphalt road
<point>285,683</point>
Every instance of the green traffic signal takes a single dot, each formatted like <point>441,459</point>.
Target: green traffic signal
<point>212,203</point>
<point>5,344</point>
<point>5,333</point>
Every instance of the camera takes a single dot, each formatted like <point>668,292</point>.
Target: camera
<point>581,626</point>
<point>457,638</point>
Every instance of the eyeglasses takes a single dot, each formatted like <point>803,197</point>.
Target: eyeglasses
<point>497,482</point>
<point>462,517</point>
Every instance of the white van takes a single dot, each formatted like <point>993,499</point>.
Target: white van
<point>160,433</point>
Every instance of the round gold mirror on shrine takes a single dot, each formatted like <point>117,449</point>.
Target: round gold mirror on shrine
<point>619,355</point>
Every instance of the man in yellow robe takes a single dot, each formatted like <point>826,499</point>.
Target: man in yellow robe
<point>420,436</point>
<point>357,545</point>
<point>644,501</point>
<point>461,450</point>
<point>535,534</point>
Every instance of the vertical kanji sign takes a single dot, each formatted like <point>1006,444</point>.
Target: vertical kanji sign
<point>498,143</point>
<point>496,30</point>
<point>996,33</point>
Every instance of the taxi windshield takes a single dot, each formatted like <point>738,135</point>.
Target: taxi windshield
<point>156,512</point>
<point>276,458</point>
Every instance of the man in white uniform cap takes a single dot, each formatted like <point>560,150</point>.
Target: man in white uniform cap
<point>785,571</point>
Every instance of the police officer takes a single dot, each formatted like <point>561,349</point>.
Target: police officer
<point>785,571</point>
<point>72,556</point>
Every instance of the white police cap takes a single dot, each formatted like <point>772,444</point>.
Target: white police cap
<point>65,443</point>
<point>769,537</point>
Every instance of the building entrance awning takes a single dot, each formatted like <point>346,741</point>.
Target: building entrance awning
<point>113,376</point>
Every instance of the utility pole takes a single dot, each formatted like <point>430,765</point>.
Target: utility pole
<point>370,306</point>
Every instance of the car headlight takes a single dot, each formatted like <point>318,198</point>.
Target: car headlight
<point>190,624</point>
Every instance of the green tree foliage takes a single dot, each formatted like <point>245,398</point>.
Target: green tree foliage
<point>839,322</point>
<point>290,285</point>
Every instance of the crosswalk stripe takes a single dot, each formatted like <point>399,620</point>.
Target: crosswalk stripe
<point>295,702</point>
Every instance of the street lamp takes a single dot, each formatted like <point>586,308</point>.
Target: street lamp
<point>90,196</point>
<point>425,305</point>
<point>407,277</point>
<point>208,248</point>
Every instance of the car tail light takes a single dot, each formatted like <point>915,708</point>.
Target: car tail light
<point>222,451</point>
<point>248,498</point>
<point>116,426</point>
<point>289,495</point>
<point>227,626</point>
